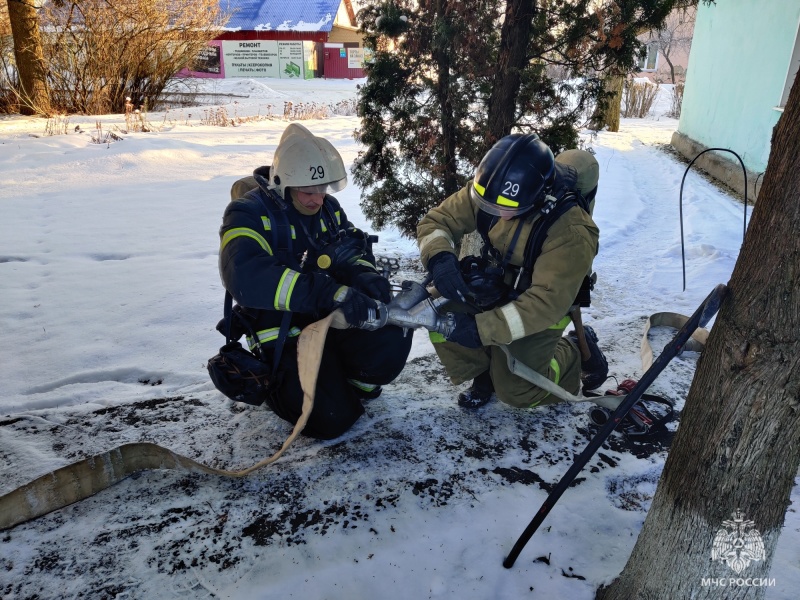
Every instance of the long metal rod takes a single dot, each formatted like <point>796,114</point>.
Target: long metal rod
<point>700,318</point>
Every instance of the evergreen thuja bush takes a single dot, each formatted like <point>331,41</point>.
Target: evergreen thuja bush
<point>448,78</point>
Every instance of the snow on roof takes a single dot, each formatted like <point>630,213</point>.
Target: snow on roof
<point>269,15</point>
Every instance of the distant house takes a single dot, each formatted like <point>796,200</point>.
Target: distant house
<point>667,49</point>
<point>744,59</point>
<point>285,39</point>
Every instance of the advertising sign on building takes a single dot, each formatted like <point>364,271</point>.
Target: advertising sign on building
<point>355,58</point>
<point>208,61</point>
<point>263,58</point>
<point>290,59</point>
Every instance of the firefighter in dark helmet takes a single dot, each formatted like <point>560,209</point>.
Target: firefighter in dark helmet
<point>533,212</point>
<point>325,263</point>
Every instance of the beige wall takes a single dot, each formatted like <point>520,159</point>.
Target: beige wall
<point>341,35</point>
<point>675,41</point>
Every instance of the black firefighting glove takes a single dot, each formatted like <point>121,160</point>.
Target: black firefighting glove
<point>447,276</point>
<point>465,332</point>
<point>356,307</point>
<point>373,285</point>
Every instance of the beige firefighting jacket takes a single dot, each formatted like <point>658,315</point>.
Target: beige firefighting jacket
<point>566,258</point>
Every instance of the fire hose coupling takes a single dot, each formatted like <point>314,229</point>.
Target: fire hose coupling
<point>412,308</point>
<point>377,317</point>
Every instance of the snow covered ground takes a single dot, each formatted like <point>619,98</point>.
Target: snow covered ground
<point>109,294</point>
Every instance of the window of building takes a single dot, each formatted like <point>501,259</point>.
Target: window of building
<point>790,75</point>
<point>649,61</point>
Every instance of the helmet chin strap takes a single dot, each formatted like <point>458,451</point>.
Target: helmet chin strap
<point>544,206</point>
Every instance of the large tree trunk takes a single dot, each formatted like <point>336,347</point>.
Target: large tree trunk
<point>737,446</point>
<point>512,60</point>
<point>502,106</point>
<point>607,114</point>
<point>442,56</point>
<point>34,97</point>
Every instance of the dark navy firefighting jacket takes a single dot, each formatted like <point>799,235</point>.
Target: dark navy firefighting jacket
<point>265,283</point>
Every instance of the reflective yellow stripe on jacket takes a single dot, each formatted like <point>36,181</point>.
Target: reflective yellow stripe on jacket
<point>283,294</point>
<point>270,335</point>
<point>268,226</point>
<point>232,234</point>
<point>562,324</point>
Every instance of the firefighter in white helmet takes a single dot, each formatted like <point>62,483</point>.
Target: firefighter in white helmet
<point>321,264</point>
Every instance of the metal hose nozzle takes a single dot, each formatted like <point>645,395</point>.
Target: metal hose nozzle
<point>412,308</point>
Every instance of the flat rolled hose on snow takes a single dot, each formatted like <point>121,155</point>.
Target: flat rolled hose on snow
<point>89,476</point>
<point>670,319</point>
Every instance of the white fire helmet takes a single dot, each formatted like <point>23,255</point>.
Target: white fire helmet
<point>307,163</point>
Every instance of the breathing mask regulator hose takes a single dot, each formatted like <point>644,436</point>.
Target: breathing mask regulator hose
<point>680,202</point>
<point>346,250</point>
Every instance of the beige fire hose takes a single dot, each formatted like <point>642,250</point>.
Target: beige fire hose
<point>80,480</point>
<point>88,477</point>
<point>662,319</point>
<point>670,319</point>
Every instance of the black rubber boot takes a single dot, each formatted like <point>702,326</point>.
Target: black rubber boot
<point>479,393</point>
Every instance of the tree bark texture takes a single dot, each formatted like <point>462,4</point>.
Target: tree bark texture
<point>671,68</point>
<point>512,59</point>
<point>442,57</point>
<point>34,97</point>
<point>608,116</point>
<point>738,445</point>
<point>471,245</point>
<point>502,106</point>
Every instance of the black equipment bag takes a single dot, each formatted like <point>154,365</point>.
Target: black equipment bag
<point>239,375</point>
<point>235,371</point>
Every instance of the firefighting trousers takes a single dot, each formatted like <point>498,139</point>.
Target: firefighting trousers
<point>353,362</point>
